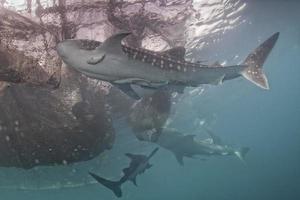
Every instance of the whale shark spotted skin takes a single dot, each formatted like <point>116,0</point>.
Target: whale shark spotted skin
<point>166,61</point>
<point>130,68</point>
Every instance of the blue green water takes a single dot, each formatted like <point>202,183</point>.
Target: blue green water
<point>266,121</point>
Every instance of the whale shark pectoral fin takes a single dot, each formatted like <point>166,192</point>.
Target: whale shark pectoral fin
<point>114,43</point>
<point>179,158</point>
<point>133,180</point>
<point>219,80</point>
<point>143,91</point>
<point>127,89</point>
<point>96,59</point>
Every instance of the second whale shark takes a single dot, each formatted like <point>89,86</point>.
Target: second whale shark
<point>134,69</point>
<point>186,146</point>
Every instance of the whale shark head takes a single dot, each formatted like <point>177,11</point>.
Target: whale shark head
<point>64,48</point>
<point>73,51</point>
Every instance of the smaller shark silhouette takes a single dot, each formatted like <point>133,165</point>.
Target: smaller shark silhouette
<point>185,145</point>
<point>138,165</point>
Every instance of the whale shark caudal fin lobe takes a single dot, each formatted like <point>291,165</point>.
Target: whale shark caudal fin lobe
<point>255,61</point>
<point>241,154</point>
<point>114,186</point>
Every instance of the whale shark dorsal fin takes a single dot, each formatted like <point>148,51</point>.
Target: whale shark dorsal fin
<point>190,137</point>
<point>215,139</point>
<point>127,89</point>
<point>126,171</point>
<point>176,52</point>
<point>113,43</point>
<point>96,59</point>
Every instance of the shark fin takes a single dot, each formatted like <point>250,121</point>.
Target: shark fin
<point>219,80</point>
<point>176,52</point>
<point>113,43</point>
<point>149,166</point>
<point>242,153</point>
<point>143,91</point>
<point>190,137</point>
<point>215,139</point>
<point>255,61</point>
<point>127,89</point>
<point>135,157</point>
<point>133,180</point>
<point>179,158</point>
<point>126,170</point>
<point>96,59</point>
<point>114,186</point>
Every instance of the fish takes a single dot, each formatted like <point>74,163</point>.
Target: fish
<point>130,68</point>
<point>138,165</point>
<point>186,146</point>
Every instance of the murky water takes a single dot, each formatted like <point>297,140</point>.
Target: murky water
<point>53,116</point>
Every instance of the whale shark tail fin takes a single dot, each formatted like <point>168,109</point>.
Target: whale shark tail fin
<point>241,153</point>
<point>114,186</point>
<point>255,60</point>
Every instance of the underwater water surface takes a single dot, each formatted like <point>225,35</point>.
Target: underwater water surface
<point>268,122</point>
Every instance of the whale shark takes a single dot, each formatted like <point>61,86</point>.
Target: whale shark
<point>131,69</point>
<point>186,146</point>
<point>138,165</point>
